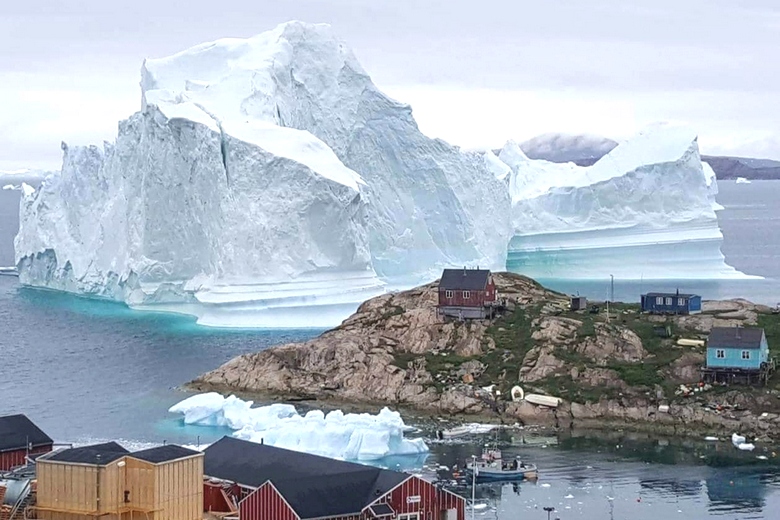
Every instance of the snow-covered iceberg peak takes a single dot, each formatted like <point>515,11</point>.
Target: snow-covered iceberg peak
<point>646,209</point>
<point>425,196</point>
<point>338,435</point>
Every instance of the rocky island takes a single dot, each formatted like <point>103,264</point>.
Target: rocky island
<point>618,369</point>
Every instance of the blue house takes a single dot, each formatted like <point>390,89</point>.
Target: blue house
<point>671,303</point>
<point>738,354</point>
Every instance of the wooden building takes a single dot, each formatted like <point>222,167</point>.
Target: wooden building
<point>671,303</point>
<point>20,437</point>
<point>738,355</point>
<point>106,481</point>
<point>467,293</point>
<point>279,484</point>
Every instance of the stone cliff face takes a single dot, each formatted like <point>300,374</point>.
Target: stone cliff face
<point>396,350</point>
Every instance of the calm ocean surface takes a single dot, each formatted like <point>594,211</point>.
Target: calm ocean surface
<point>89,371</point>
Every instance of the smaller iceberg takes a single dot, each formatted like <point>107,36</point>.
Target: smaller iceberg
<point>742,180</point>
<point>740,442</point>
<point>358,437</point>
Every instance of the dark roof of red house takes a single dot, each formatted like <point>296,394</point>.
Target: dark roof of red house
<point>464,279</point>
<point>17,431</point>
<point>313,486</point>
<point>735,337</point>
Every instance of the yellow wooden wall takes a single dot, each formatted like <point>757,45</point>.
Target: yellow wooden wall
<point>172,490</point>
<point>180,489</point>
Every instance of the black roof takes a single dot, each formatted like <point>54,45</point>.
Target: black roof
<point>17,430</point>
<point>314,486</point>
<point>735,337</point>
<point>164,453</point>
<point>464,279</point>
<point>99,454</point>
<point>670,295</point>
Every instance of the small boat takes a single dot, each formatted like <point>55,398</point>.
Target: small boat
<point>466,429</point>
<point>543,400</point>
<point>492,466</point>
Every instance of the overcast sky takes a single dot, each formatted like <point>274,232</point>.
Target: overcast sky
<point>476,72</point>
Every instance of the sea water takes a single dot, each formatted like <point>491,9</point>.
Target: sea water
<point>90,371</point>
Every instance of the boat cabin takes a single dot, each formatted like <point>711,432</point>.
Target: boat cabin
<point>467,293</point>
<point>671,303</point>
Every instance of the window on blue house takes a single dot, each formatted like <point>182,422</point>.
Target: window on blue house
<point>745,354</point>
<point>668,301</point>
<point>659,301</point>
<point>681,302</point>
<point>720,354</point>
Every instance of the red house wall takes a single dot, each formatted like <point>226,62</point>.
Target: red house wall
<point>216,497</point>
<point>12,459</point>
<point>265,503</point>
<point>475,299</point>
<point>432,500</point>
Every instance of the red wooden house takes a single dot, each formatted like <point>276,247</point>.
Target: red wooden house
<point>467,293</point>
<point>279,484</point>
<point>20,437</point>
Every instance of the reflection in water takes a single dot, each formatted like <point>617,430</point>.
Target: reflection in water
<point>735,490</point>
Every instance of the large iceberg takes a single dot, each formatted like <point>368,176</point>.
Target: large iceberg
<point>267,182</point>
<point>646,209</point>
<point>261,178</point>
<point>358,437</point>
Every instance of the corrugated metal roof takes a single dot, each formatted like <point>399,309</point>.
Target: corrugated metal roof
<point>735,337</point>
<point>17,430</point>
<point>464,279</point>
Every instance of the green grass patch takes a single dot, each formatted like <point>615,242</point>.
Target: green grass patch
<point>638,374</point>
<point>512,336</point>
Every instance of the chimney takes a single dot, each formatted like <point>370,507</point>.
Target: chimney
<point>739,335</point>
<point>464,270</point>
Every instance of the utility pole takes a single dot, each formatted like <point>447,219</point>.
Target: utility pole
<point>474,484</point>
<point>612,288</point>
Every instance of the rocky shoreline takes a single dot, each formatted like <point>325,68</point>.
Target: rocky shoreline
<point>611,371</point>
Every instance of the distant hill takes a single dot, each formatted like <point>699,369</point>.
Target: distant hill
<point>585,150</point>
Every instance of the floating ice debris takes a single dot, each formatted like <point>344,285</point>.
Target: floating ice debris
<point>746,447</point>
<point>762,457</point>
<point>737,439</point>
<point>335,434</point>
<point>545,485</point>
<point>569,496</point>
<point>710,438</point>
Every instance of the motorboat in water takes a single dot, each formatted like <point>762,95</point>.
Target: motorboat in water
<point>492,466</point>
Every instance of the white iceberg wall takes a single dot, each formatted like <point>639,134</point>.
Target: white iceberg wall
<point>645,210</point>
<point>335,434</point>
<point>424,196</point>
<point>175,208</point>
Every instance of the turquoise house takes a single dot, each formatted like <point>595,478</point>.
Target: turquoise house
<point>737,348</point>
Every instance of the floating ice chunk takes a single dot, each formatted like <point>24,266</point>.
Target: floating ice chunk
<point>709,438</point>
<point>762,457</point>
<point>737,439</point>
<point>11,187</point>
<point>335,434</point>
<point>746,446</point>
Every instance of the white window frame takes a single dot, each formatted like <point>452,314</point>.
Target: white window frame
<point>720,354</point>
<point>669,301</point>
<point>409,516</point>
<point>681,302</point>
<point>659,300</point>
<point>448,295</point>
<point>466,295</point>
<point>745,354</point>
